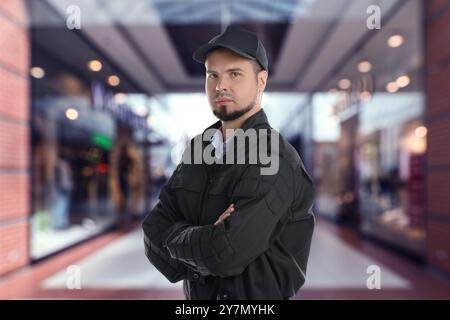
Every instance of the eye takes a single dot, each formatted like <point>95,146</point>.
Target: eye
<point>235,74</point>
<point>212,76</point>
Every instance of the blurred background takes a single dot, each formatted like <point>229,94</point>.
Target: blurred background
<point>98,98</point>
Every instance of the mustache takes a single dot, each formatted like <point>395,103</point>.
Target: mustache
<point>223,96</point>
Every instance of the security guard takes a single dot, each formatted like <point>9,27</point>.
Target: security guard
<point>225,228</point>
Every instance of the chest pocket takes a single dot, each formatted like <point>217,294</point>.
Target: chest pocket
<point>187,185</point>
<point>220,185</point>
<point>224,181</point>
<point>217,198</point>
<point>187,181</point>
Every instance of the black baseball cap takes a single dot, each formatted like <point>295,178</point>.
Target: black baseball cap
<point>241,41</point>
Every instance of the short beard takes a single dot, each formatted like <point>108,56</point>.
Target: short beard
<point>222,114</point>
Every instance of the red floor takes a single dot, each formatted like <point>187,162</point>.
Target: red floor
<point>427,284</point>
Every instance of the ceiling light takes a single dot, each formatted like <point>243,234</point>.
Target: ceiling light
<point>120,98</point>
<point>403,81</point>
<point>344,84</point>
<point>95,65</point>
<point>395,41</point>
<point>392,87</point>
<point>364,66</point>
<point>37,72</point>
<point>421,132</point>
<point>113,80</point>
<point>72,114</point>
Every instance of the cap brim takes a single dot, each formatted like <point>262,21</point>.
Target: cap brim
<point>200,54</point>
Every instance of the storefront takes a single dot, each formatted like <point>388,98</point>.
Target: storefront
<point>87,158</point>
<point>71,197</point>
<point>372,175</point>
<point>391,183</point>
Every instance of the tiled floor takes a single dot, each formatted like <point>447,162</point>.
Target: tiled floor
<point>114,266</point>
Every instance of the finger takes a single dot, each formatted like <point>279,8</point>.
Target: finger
<point>228,211</point>
<point>222,218</point>
<point>219,221</point>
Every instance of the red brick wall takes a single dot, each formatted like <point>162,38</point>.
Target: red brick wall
<point>14,136</point>
<point>437,48</point>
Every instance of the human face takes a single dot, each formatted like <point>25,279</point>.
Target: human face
<point>232,87</point>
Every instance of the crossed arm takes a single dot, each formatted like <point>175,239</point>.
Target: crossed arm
<point>241,233</point>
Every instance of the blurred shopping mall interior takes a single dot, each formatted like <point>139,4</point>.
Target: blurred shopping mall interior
<point>99,97</point>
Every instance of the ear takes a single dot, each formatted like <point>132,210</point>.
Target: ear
<point>262,80</point>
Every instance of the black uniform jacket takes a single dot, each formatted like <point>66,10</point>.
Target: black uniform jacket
<point>260,251</point>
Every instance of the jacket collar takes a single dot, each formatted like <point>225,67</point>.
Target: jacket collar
<point>254,121</point>
<point>251,122</point>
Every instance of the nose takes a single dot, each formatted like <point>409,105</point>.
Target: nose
<point>222,84</point>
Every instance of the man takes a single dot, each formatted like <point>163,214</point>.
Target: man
<point>228,230</point>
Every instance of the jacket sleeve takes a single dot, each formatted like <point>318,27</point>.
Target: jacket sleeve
<point>298,233</point>
<point>293,245</point>
<point>155,225</point>
<point>225,250</point>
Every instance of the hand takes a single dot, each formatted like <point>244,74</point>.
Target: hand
<point>225,215</point>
